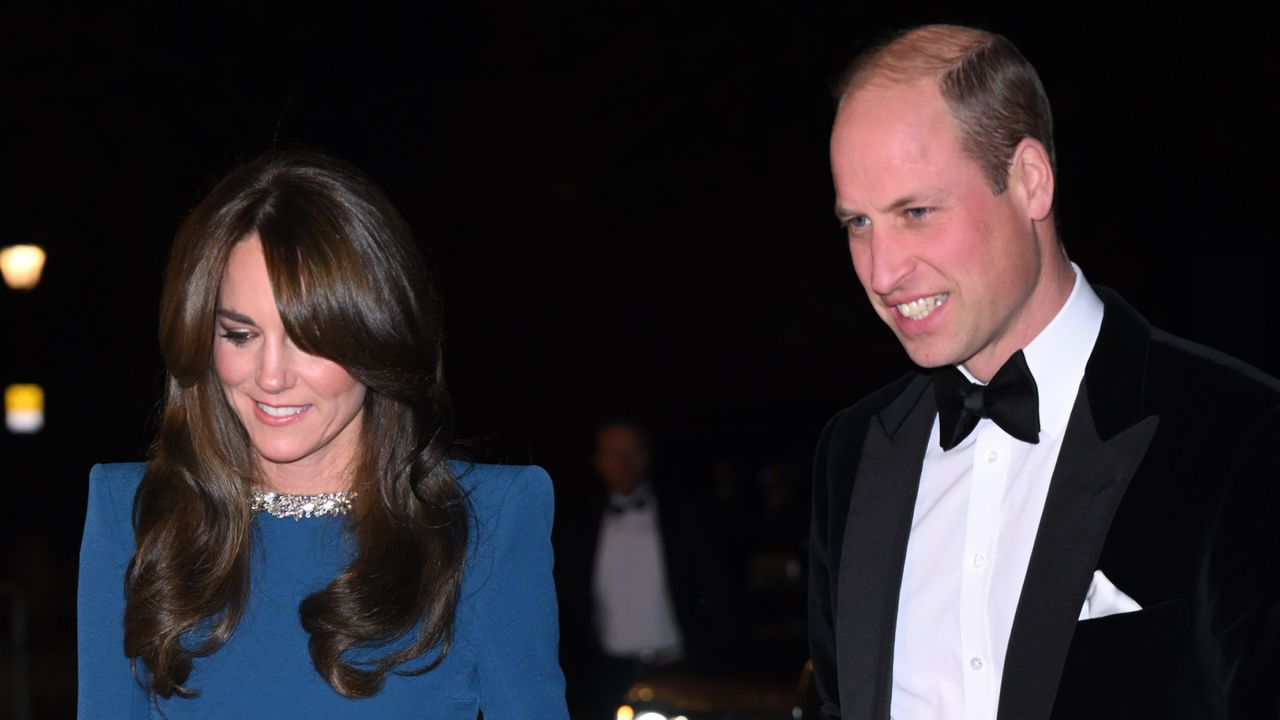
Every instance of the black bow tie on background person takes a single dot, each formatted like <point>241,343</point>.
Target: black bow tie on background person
<point>1010,400</point>
<point>622,507</point>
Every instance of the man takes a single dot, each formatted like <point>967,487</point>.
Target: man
<point>635,619</point>
<point>642,580</point>
<point>1067,513</point>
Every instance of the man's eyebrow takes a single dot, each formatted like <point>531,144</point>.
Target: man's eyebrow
<point>906,201</point>
<point>844,212</point>
<point>234,316</point>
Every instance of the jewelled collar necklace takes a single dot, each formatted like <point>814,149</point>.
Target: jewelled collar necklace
<point>300,506</point>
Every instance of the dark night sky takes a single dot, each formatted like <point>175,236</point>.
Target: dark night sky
<point>628,208</point>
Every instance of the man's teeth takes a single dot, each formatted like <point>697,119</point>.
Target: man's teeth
<point>921,307</point>
<point>281,411</point>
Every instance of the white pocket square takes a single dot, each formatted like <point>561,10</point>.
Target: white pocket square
<point>1105,599</point>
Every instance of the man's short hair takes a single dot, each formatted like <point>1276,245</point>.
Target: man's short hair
<point>994,94</point>
<point>623,420</point>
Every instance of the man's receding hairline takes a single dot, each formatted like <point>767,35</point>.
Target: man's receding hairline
<point>874,82</point>
<point>928,52</point>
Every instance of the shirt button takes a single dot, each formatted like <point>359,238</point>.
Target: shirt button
<point>979,561</point>
<point>993,456</point>
<point>975,663</point>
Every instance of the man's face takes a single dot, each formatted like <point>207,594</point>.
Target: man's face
<point>622,458</point>
<point>949,266</point>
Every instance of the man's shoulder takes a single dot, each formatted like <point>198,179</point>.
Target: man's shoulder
<point>893,399</point>
<point>1185,375</point>
<point>1176,377</point>
<point>1179,355</point>
<point>840,445</point>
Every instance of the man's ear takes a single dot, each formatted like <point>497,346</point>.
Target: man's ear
<point>1031,176</point>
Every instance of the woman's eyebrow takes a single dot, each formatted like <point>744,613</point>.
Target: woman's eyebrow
<point>234,316</point>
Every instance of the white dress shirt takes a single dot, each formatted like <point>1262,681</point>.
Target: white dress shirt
<point>634,614</point>
<point>972,531</point>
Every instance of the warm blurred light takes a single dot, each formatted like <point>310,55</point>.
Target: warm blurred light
<point>679,717</point>
<point>645,693</point>
<point>21,266</point>
<point>625,712</point>
<point>24,408</point>
<point>651,716</point>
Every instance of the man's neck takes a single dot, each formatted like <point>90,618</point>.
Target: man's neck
<point>1040,309</point>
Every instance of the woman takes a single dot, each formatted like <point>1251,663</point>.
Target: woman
<point>298,545</point>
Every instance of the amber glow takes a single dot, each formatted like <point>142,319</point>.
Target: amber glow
<point>22,265</point>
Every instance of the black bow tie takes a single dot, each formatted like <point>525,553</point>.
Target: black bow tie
<point>626,506</point>
<point>1010,400</point>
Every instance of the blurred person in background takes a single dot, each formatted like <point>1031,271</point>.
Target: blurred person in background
<point>642,575</point>
<point>299,543</point>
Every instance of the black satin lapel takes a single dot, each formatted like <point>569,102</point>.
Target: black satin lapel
<point>875,546</point>
<point>1089,480</point>
<point>1116,373</point>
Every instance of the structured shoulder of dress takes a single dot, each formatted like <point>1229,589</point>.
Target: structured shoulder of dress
<point>115,484</point>
<point>490,487</point>
<point>112,487</point>
<point>118,475</point>
<point>512,508</point>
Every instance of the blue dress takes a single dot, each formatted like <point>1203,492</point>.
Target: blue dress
<point>503,660</point>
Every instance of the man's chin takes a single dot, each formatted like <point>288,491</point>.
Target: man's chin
<point>930,356</point>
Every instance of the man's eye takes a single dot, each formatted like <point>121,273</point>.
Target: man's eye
<point>858,222</point>
<point>919,213</point>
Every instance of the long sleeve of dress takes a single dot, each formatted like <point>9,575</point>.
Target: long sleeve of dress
<point>520,669</point>
<point>106,687</point>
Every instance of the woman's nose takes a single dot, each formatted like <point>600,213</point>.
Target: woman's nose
<point>275,367</point>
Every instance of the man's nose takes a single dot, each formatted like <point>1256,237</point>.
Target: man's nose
<point>275,367</point>
<point>891,262</point>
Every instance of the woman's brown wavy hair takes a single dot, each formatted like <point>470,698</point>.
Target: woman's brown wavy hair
<point>351,287</point>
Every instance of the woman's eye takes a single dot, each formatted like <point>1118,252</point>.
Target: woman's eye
<point>237,337</point>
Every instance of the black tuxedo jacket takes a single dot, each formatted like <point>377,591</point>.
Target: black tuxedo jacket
<point>1167,481</point>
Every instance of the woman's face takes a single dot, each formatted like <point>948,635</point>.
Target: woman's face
<point>302,412</point>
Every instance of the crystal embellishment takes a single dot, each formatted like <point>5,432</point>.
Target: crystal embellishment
<point>300,506</point>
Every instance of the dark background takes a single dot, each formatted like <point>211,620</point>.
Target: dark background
<point>628,207</point>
